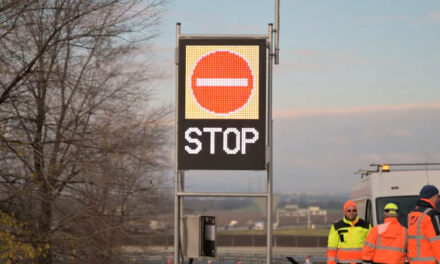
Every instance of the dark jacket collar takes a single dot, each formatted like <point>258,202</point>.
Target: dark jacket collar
<point>425,203</point>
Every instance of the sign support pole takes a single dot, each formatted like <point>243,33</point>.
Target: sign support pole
<point>277,32</point>
<point>273,57</point>
<point>270,143</point>
<point>177,198</point>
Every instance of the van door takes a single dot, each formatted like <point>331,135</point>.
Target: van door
<point>362,206</point>
<point>368,212</point>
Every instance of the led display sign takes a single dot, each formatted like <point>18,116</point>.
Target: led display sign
<point>222,107</point>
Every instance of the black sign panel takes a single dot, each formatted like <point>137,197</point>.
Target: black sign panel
<point>222,104</point>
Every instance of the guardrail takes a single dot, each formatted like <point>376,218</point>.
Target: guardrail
<point>247,241</point>
<point>278,241</point>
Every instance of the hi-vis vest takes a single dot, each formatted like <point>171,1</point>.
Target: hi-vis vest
<point>386,243</point>
<point>424,234</point>
<point>345,241</point>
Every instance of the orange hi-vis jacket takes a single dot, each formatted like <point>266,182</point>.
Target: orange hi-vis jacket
<point>424,234</point>
<point>386,243</point>
<point>345,241</point>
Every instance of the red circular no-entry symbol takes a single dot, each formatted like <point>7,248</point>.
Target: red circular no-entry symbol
<point>222,82</point>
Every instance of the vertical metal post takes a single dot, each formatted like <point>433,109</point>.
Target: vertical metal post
<point>277,32</point>
<point>270,143</point>
<point>181,209</point>
<point>176,170</point>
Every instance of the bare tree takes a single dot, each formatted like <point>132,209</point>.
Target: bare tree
<point>80,146</point>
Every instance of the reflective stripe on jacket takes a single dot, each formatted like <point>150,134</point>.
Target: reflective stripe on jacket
<point>424,234</point>
<point>345,241</point>
<point>386,243</point>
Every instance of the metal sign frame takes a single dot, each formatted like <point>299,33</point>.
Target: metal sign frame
<point>179,175</point>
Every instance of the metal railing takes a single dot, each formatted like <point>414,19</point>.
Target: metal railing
<point>225,259</point>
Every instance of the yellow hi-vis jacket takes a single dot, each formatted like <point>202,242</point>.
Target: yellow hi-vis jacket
<point>345,241</point>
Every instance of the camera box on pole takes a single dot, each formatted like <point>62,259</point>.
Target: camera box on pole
<point>198,236</point>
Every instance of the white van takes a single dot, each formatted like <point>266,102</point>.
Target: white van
<point>397,183</point>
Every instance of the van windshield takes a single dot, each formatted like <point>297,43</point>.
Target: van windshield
<point>405,203</point>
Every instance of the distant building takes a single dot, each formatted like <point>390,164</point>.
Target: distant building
<point>157,225</point>
<point>259,225</point>
<point>233,223</point>
<point>293,215</point>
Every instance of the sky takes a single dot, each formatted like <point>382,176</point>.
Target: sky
<point>358,83</point>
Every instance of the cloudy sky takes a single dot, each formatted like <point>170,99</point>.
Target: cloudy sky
<point>358,83</point>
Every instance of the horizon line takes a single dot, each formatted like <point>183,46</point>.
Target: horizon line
<point>327,111</point>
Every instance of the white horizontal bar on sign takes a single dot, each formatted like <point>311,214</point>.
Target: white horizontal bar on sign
<point>208,194</point>
<point>221,82</point>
